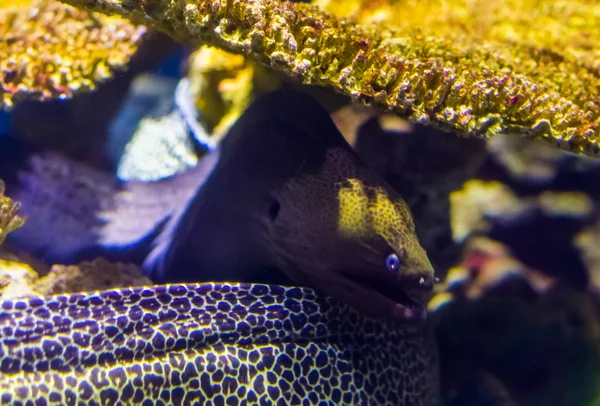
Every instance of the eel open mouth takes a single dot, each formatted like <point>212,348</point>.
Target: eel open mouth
<point>399,299</point>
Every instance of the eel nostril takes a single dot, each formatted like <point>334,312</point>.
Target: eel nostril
<point>427,281</point>
<point>419,281</point>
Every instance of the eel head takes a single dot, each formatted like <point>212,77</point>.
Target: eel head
<point>344,230</point>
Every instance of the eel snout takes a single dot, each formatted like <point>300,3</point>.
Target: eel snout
<point>391,297</point>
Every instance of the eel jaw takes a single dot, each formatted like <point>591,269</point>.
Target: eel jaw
<point>388,297</point>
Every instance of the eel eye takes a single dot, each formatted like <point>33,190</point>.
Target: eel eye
<point>392,262</point>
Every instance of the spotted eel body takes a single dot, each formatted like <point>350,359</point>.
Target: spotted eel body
<point>284,191</point>
<point>209,344</point>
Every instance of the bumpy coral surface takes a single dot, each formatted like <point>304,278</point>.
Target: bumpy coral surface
<point>469,67</point>
<point>51,50</point>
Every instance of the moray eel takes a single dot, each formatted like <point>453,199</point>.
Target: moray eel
<point>283,191</point>
<point>208,344</point>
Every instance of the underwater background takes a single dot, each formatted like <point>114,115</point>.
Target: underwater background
<point>273,202</point>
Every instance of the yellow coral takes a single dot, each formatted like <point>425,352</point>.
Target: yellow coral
<point>9,220</point>
<point>473,80</point>
<point>563,30</point>
<point>51,50</point>
<point>222,84</point>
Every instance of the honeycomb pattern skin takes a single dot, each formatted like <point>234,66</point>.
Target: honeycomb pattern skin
<point>211,344</point>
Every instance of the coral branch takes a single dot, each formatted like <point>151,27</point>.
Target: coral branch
<point>9,220</point>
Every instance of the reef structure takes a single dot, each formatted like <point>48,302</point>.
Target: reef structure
<point>478,80</point>
<point>54,51</point>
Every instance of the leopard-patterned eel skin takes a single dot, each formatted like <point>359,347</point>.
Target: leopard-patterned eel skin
<point>207,344</point>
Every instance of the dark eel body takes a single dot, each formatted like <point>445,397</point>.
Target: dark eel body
<point>283,198</point>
